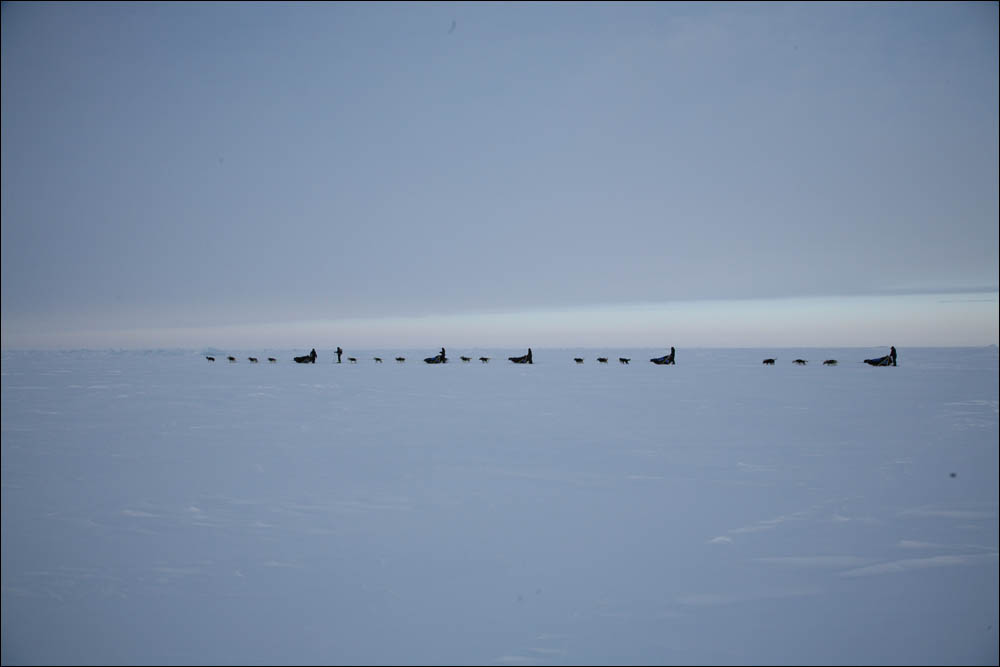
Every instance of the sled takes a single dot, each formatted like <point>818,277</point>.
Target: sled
<point>524,359</point>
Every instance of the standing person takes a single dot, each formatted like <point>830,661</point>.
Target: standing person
<point>339,352</point>
<point>671,357</point>
<point>892,354</point>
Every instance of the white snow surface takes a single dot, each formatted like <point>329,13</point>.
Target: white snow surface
<point>158,508</point>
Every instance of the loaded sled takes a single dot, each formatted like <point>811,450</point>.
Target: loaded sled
<point>439,359</point>
<point>526,359</point>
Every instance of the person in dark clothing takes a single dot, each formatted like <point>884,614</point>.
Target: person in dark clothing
<point>892,354</point>
<point>339,352</point>
<point>670,359</point>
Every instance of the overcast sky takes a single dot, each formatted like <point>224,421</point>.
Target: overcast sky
<point>184,174</point>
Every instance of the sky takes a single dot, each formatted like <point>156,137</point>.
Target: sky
<point>188,174</point>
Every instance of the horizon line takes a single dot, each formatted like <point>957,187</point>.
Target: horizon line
<point>916,319</point>
<point>209,349</point>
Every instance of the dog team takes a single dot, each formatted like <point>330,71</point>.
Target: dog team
<point>665,360</point>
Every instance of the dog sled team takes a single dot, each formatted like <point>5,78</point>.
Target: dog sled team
<point>665,360</point>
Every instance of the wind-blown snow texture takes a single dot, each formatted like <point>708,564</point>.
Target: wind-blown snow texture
<point>160,508</point>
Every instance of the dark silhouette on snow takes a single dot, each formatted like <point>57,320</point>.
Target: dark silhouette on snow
<point>887,360</point>
<point>307,359</point>
<point>526,359</point>
<point>439,359</point>
<point>665,360</point>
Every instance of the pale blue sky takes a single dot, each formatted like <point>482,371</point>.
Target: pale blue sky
<point>188,174</point>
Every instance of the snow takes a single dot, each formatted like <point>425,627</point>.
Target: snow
<point>158,508</point>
